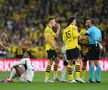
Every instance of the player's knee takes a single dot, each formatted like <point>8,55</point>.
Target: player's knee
<point>56,61</point>
<point>50,62</point>
<point>18,71</point>
<point>84,63</point>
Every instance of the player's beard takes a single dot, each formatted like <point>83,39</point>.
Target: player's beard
<point>87,27</point>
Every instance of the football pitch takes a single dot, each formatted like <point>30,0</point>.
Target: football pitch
<point>39,84</point>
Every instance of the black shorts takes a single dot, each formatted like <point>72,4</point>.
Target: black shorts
<point>72,54</point>
<point>65,63</point>
<point>52,55</point>
<point>94,52</point>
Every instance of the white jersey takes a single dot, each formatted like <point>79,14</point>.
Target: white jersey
<point>29,69</point>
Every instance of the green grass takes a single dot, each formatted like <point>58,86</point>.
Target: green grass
<point>38,84</point>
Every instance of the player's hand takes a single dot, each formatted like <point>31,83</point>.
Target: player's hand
<point>58,25</point>
<point>56,47</point>
<point>81,38</point>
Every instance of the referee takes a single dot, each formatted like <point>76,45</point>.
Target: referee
<point>95,37</point>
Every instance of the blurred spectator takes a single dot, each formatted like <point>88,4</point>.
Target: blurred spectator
<point>23,21</point>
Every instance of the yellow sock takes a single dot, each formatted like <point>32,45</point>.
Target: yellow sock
<point>69,68</point>
<point>55,73</point>
<point>77,70</point>
<point>77,74</point>
<point>47,71</point>
<point>47,75</point>
<point>83,72</point>
<point>70,77</point>
<point>55,70</point>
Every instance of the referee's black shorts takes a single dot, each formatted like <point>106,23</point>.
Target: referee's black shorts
<point>52,55</point>
<point>72,54</point>
<point>94,52</point>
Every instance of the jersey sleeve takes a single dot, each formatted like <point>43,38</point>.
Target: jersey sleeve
<point>75,32</point>
<point>88,32</point>
<point>29,65</point>
<point>47,33</point>
<point>22,62</point>
<point>54,34</point>
<point>64,37</point>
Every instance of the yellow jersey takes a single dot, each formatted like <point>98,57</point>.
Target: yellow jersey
<point>86,41</point>
<point>82,33</point>
<point>70,37</point>
<point>49,33</point>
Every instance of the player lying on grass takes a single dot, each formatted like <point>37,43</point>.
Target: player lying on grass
<point>22,70</point>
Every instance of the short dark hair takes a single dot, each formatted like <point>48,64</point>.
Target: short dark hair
<point>92,21</point>
<point>70,20</point>
<point>29,53</point>
<point>50,19</point>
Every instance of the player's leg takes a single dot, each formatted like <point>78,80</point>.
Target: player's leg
<point>73,67</point>
<point>48,69</point>
<point>26,76</point>
<point>98,79</point>
<point>22,76</point>
<point>55,67</point>
<point>78,72</point>
<point>77,69</point>
<point>51,57</point>
<point>72,54</point>
<point>84,60</point>
<point>91,62</point>
<point>11,77</point>
<point>65,63</point>
<point>91,66</point>
<point>98,76</point>
<point>77,66</point>
<point>13,74</point>
<point>76,54</point>
<point>63,72</point>
<point>69,69</point>
<point>19,71</point>
<point>83,70</point>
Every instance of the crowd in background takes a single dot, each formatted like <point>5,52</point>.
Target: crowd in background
<point>22,22</point>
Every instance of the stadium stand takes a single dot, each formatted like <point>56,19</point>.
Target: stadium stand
<point>22,22</point>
